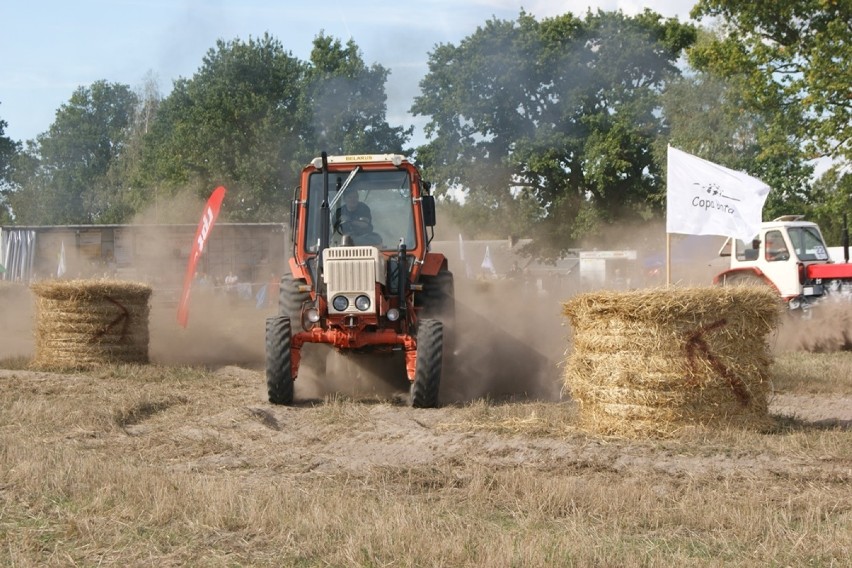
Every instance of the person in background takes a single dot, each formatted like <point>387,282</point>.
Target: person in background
<point>231,283</point>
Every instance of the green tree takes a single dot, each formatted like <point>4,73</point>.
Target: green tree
<point>347,104</point>
<point>253,115</point>
<point>707,117</point>
<point>122,195</point>
<point>795,57</point>
<point>8,150</point>
<point>64,176</point>
<point>832,200</point>
<point>235,122</point>
<point>546,128</point>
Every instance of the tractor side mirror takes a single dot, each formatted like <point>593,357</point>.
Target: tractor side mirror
<point>428,210</point>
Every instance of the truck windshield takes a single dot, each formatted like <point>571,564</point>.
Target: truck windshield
<point>387,198</point>
<point>808,243</point>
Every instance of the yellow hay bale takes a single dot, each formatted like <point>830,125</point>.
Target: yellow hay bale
<point>653,362</point>
<point>82,324</point>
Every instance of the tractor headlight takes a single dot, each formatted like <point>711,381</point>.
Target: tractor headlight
<point>340,303</point>
<point>362,303</point>
<point>393,314</point>
<point>313,315</point>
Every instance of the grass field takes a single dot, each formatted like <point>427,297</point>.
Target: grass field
<point>173,466</point>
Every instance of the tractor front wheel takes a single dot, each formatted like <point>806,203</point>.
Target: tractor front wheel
<point>279,373</point>
<point>427,375</point>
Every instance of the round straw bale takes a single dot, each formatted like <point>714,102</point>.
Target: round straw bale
<point>652,362</point>
<point>82,324</point>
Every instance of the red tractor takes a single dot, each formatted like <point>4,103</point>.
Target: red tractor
<point>362,278</point>
<point>790,255</point>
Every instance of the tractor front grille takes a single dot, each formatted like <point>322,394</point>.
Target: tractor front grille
<point>352,271</point>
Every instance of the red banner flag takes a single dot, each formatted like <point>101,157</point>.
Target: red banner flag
<point>211,211</point>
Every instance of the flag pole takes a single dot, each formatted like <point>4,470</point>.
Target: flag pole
<point>668,259</point>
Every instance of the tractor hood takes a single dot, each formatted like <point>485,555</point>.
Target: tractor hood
<point>831,271</point>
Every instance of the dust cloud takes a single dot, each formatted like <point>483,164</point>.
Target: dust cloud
<point>508,341</point>
<point>824,329</point>
<point>223,328</point>
<point>17,321</point>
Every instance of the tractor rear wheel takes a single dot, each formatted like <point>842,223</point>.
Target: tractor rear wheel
<point>279,373</point>
<point>437,297</point>
<point>427,375</point>
<point>744,279</point>
<point>437,301</point>
<point>290,299</point>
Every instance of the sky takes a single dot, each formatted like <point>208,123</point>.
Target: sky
<point>50,48</point>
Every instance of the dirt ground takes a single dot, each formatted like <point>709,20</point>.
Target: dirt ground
<point>335,437</point>
<point>513,359</point>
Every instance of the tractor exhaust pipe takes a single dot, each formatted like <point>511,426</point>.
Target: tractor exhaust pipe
<point>844,239</point>
<point>402,278</point>
<point>324,220</point>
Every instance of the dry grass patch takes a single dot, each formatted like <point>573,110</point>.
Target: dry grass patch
<point>139,465</point>
<point>814,373</point>
<point>530,419</point>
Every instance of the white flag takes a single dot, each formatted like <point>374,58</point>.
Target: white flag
<point>704,198</point>
<point>486,262</point>
<point>60,270</point>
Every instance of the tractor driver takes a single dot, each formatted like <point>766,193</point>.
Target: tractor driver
<point>354,220</point>
<point>776,248</point>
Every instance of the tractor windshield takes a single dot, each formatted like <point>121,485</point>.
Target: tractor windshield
<point>808,243</point>
<point>375,209</point>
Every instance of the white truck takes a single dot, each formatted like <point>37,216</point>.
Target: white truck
<point>789,254</point>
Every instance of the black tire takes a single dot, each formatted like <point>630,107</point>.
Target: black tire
<point>437,297</point>
<point>279,373</point>
<point>290,299</point>
<point>438,301</point>
<point>290,302</point>
<point>430,354</point>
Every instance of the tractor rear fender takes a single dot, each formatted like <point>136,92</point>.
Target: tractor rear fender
<point>433,264</point>
<point>750,271</point>
<point>296,270</point>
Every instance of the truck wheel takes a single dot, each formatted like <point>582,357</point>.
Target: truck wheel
<point>279,373</point>
<point>427,376</point>
<point>290,299</point>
